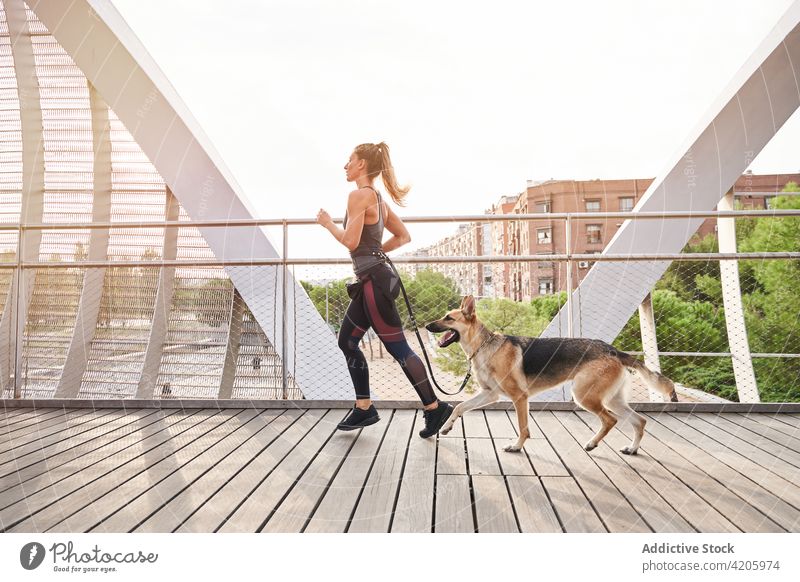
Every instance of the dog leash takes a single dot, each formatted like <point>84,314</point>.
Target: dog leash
<point>385,257</point>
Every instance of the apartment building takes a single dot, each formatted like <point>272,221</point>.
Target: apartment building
<point>522,281</point>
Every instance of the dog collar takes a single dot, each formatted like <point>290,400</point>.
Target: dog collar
<point>486,341</point>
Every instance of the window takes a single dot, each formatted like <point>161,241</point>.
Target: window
<point>545,264</point>
<point>543,206</point>
<point>769,202</point>
<point>593,234</point>
<point>592,206</point>
<point>544,236</point>
<point>626,204</point>
<point>545,286</point>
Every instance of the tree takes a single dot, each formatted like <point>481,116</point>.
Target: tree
<point>772,306</point>
<point>431,295</point>
<point>690,315</point>
<point>331,301</point>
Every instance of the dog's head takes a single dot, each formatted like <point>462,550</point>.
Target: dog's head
<point>455,323</point>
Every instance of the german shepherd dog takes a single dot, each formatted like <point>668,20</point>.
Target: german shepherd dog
<point>520,367</point>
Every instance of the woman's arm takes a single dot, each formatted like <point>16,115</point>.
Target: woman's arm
<point>394,225</point>
<point>356,208</point>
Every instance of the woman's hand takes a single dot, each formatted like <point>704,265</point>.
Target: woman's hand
<point>324,218</point>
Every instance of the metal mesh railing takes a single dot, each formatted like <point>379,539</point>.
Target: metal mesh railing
<point>211,343</point>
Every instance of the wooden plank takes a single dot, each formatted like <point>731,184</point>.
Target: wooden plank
<point>775,422</point>
<point>482,457</point>
<point>453,505</point>
<point>127,506</point>
<point>10,413</point>
<point>414,510</point>
<point>658,466</point>
<point>259,505</point>
<point>54,417</point>
<point>542,456</point>
<point>41,462</point>
<point>272,423</point>
<point>452,458</point>
<point>292,513</point>
<point>339,501</point>
<point>655,511</point>
<point>375,508</point>
<point>475,424</point>
<point>87,490</point>
<point>25,416</point>
<point>297,507</point>
<point>754,435</point>
<point>575,512</point>
<point>279,441</point>
<point>611,506</point>
<point>493,509</point>
<point>532,506</point>
<point>500,426</point>
<point>754,505</point>
<point>747,459</point>
<point>35,428</point>
<point>457,431</point>
<point>514,463</point>
<point>67,464</point>
<point>27,454</point>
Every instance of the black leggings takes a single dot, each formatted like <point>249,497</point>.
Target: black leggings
<point>374,307</point>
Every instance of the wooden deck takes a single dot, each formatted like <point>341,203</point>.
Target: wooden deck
<point>289,470</point>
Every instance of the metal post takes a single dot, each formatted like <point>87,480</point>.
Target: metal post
<point>742,360</point>
<point>284,302</point>
<point>568,249</point>
<point>647,327</point>
<point>19,336</point>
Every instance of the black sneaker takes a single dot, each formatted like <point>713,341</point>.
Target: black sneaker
<point>434,419</point>
<point>359,418</point>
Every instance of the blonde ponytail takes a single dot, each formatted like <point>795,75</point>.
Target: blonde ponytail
<point>379,162</point>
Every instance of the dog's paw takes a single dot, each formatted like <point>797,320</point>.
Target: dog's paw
<point>512,448</point>
<point>589,446</point>
<point>445,430</point>
<point>628,451</point>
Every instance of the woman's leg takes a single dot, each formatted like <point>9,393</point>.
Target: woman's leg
<point>353,328</point>
<point>385,320</point>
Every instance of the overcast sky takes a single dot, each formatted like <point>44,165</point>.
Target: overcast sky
<point>474,98</point>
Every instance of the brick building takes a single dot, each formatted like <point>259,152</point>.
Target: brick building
<point>523,281</point>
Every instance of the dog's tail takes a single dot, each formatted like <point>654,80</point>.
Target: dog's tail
<point>655,379</point>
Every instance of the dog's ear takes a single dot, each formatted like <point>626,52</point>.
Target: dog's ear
<point>468,307</point>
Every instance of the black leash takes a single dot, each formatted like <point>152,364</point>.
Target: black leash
<point>385,257</point>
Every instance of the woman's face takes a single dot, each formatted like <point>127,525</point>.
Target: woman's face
<point>354,167</point>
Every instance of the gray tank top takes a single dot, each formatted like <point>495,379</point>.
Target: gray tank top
<point>370,241</point>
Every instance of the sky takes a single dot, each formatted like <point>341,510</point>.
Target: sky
<point>473,98</point>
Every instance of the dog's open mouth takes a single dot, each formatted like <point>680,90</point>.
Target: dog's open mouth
<point>448,338</point>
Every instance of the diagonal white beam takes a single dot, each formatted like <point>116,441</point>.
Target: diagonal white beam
<point>164,293</point>
<point>12,324</point>
<point>758,101</point>
<point>102,45</point>
<point>89,308</point>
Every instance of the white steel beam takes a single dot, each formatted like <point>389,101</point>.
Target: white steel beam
<point>758,101</point>
<point>734,311</point>
<point>20,294</point>
<point>164,293</point>
<point>91,293</point>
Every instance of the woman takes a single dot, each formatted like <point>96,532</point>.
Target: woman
<point>373,304</point>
